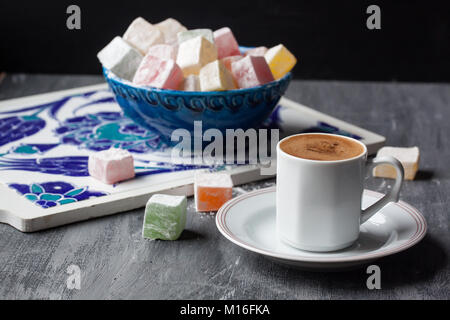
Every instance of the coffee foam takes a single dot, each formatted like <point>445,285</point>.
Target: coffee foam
<point>321,147</point>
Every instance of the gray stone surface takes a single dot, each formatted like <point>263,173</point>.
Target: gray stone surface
<point>116,262</point>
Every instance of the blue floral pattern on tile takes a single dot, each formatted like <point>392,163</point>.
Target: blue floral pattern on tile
<point>51,194</point>
<point>19,127</point>
<point>72,166</point>
<point>103,130</point>
<point>33,148</point>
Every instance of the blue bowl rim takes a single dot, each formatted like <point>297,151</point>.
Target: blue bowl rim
<point>108,74</point>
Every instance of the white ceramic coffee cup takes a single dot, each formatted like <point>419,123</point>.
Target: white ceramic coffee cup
<point>318,203</point>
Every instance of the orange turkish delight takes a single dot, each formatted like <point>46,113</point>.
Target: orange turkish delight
<point>212,190</point>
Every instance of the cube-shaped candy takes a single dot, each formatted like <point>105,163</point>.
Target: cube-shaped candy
<point>165,217</point>
<point>142,35</point>
<point>280,60</point>
<point>193,54</point>
<point>158,73</point>
<point>190,34</point>
<point>163,51</point>
<point>191,83</point>
<point>226,43</point>
<point>120,58</point>
<point>251,71</point>
<point>215,77</point>
<point>212,190</point>
<point>170,28</point>
<point>111,166</point>
<point>258,52</point>
<point>409,157</point>
<point>227,61</point>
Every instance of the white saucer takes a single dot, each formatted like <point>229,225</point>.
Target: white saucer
<point>249,222</point>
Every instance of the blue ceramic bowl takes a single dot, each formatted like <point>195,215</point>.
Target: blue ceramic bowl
<point>166,110</point>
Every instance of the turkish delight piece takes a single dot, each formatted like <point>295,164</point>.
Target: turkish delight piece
<point>142,35</point>
<point>193,54</point>
<point>190,34</point>
<point>170,28</point>
<point>163,51</point>
<point>258,52</point>
<point>111,166</point>
<point>158,73</point>
<point>227,61</point>
<point>251,71</point>
<point>226,43</point>
<point>215,77</point>
<point>191,83</point>
<point>409,158</point>
<point>165,217</point>
<point>280,60</point>
<point>120,58</point>
<point>212,190</point>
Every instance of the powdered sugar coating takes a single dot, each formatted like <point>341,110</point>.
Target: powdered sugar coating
<point>226,43</point>
<point>214,179</point>
<point>166,199</point>
<point>120,58</point>
<point>142,35</point>
<point>170,28</point>
<point>111,166</point>
<point>251,71</point>
<point>163,51</point>
<point>158,73</point>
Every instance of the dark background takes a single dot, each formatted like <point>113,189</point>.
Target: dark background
<point>329,38</point>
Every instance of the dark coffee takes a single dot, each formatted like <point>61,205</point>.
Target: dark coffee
<point>321,147</point>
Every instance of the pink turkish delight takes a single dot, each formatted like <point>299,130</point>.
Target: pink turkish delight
<point>227,61</point>
<point>226,43</point>
<point>251,71</point>
<point>163,51</point>
<point>158,73</point>
<point>111,166</point>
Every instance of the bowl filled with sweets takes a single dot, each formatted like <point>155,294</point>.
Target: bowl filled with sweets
<point>165,77</point>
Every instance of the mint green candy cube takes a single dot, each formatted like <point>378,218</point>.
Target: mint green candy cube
<point>165,217</point>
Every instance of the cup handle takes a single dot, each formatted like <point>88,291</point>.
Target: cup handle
<point>391,196</point>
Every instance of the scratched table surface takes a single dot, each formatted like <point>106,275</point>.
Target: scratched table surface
<point>116,263</point>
